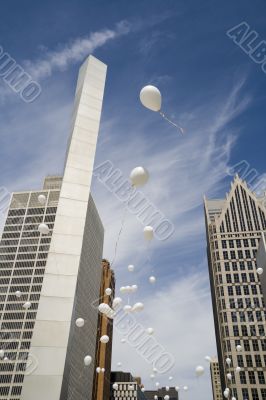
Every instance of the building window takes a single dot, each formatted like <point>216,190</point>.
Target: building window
<point>225,255</point>
<point>245,394</point>
<point>240,254</point>
<point>230,290</point>
<point>252,379</point>
<point>258,360</point>
<point>228,278</point>
<point>244,330</point>
<point>242,376</point>
<point>261,377</point>
<point>246,344</point>
<point>235,330</point>
<point>249,360</point>
<point>240,361</point>
<point>224,246</point>
<point>246,289</point>
<point>254,394</point>
<point>227,266</point>
<point>244,277</point>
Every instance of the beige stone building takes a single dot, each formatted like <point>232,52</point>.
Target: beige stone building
<point>234,226</point>
<point>215,379</point>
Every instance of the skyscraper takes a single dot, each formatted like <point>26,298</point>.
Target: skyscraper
<point>215,379</point>
<point>103,357</point>
<point>66,262</point>
<point>128,388</point>
<point>234,226</point>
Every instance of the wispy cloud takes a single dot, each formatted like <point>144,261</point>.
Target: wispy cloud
<point>74,51</point>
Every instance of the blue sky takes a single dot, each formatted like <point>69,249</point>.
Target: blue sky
<point>209,85</point>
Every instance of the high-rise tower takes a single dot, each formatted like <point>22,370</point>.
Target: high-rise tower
<point>234,226</point>
<point>61,272</point>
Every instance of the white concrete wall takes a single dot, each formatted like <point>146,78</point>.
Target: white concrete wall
<point>50,338</point>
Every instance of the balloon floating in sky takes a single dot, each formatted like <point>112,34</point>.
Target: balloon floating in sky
<point>185,388</point>
<point>150,331</point>
<point>41,199</point>
<point>157,384</point>
<point>123,340</point>
<point>152,376</point>
<point>208,358</point>
<point>115,386</point>
<point>152,279</point>
<point>148,232</point>
<point>43,229</point>
<point>151,98</point>
<point>170,378</point>
<point>167,388</point>
<point>131,268</point>
<point>127,308</point>
<point>116,302</point>
<point>139,176</point>
<point>119,364</point>
<point>80,322</point>
<point>259,271</point>
<point>143,390</point>
<point>177,388</point>
<point>166,397</point>
<point>238,347</point>
<point>138,307</point>
<point>18,294</point>
<point>103,370</point>
<point>104,339</point>
<point>226,394</point>
<point>238,369</point>
<point>131,387</point>
<point>108,291</point>
<point>199,370</point>
<point>229,376</point>
<point>155,397</point>
<point>27,305</point>
<point>228,361</point>
<point>87,361</point>
<point>2,353</point>
<point>98,370</point>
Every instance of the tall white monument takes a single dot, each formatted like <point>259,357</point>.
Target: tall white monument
<point>57,344</point>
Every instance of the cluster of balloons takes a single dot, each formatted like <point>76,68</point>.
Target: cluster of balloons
<point>129,289</point>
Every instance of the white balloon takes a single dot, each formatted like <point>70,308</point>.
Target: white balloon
<point>170,378</point>
<point>157,384</point>
<point>98,370</point>
<point>238,369</point>
<point>208,358</point>
<point>116,302</point>
<point>138,307</point>
<point>238,347</point>
<point>233,398</point>
<point>152,279</point>
<point>104,339</point>
<point>155,397</point>
<point>27,305</point>
<point>131,268</point>
<point>43,229</point>
<point>226,394</point>
<point>228,361</point>
<point>41,199</point>
<point>152,376</point>
<point>80,322</point>
<point>185,388</point>
<point>155,370</point>
<point>127,308</point>
<point>104,308</point>
<point>199,370</point>
<point>131,387</point>
<point>134,288</point>
<point>177,388</point>
<point>2,353</point>
<point>87,360</point>
<point>18,294</point>
<point>119,364</point>
<point>115,386</point>
<point>167,388</point>
<point>139,176</point>
<point>150,331</point>
<point>123,289</point>
<point>6,359</point>
<point>151,98</point>
<point>143,390</point>
<point>108,291</point>
<point>123,340</point>
<point>166,397</point>
<point>103,370</point>
<point>148,232</point>
<point>229,376</point>
<point>128,289</point>
<point>259,271</point>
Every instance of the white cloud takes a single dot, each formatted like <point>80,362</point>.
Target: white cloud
<point>74,51</point>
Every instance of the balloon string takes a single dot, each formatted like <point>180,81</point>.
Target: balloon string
<point>172,123</point>
<point>121,228</point>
